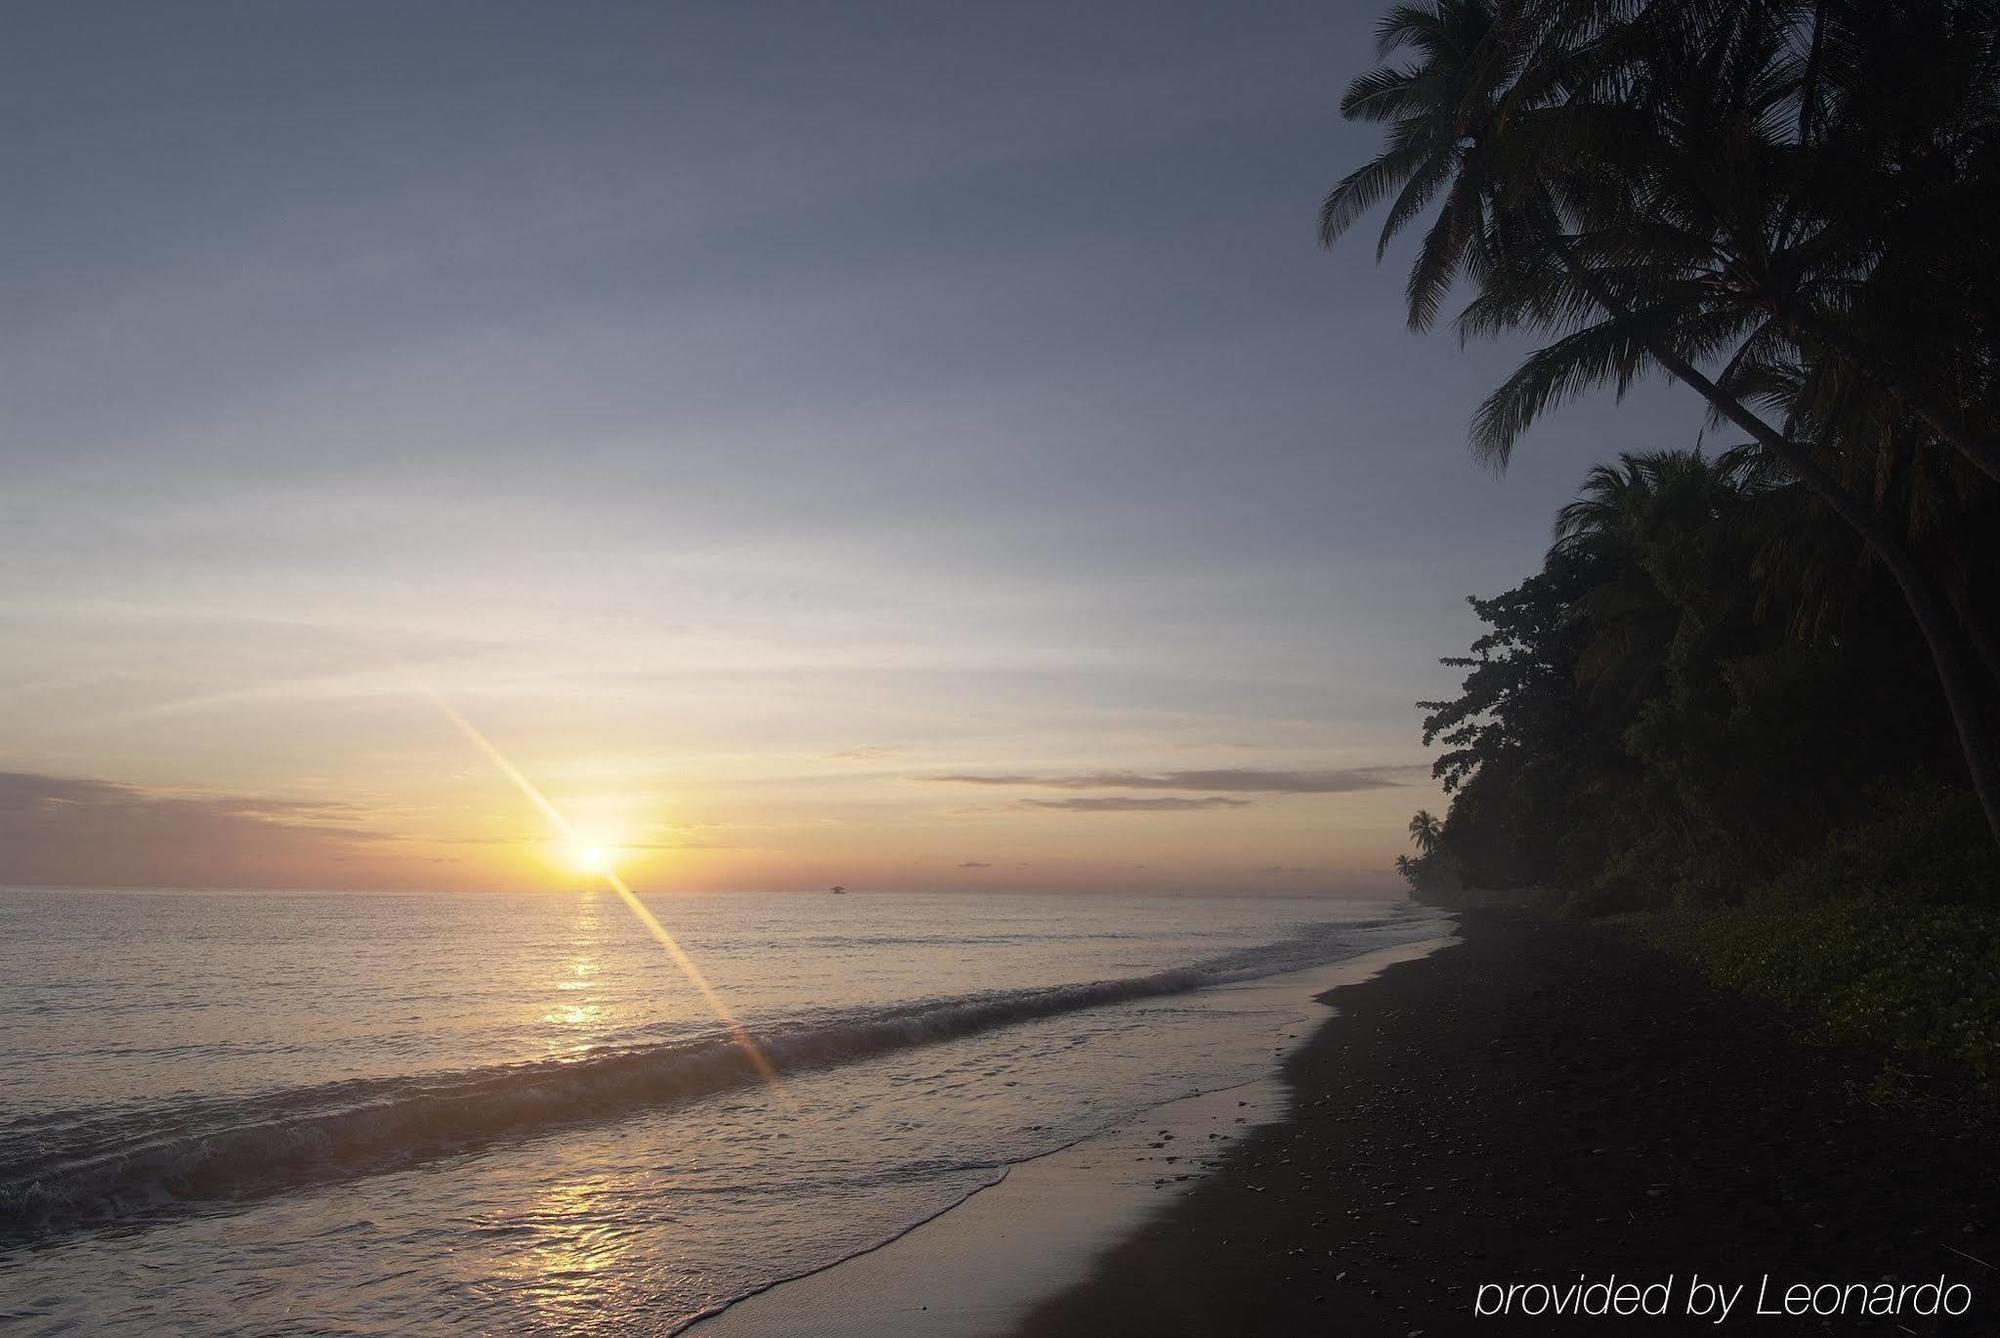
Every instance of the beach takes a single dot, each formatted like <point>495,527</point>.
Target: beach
<point>1295,1118</point>
<point>1547,1103</point>
<point>981,1266</point>
<point>886,670</point>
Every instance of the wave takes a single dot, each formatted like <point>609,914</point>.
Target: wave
<point>123,1165</point>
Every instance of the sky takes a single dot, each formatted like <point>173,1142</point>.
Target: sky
<point>904,446</point>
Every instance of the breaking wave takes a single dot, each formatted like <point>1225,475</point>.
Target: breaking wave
<point>133,1164</point>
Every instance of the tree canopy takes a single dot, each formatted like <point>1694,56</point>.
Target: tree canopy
<point>1776,204</point>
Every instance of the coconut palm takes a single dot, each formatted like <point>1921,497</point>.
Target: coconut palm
<point>1625,185</point>
<point>1427,832</point>
<point>1654,524</point>
<point>1443,114</point>
<point>1897,106</point>
<point>1620,505</point>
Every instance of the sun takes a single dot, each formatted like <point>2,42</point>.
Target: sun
<point>591,853</point>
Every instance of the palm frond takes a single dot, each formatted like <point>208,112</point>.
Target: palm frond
<point>1360,190</point>
<point>1613,351</point>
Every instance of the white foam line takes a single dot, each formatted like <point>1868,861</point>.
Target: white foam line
<point>783,1304</point>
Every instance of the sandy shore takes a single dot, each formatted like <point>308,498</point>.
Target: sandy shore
<point>1544,1103</point>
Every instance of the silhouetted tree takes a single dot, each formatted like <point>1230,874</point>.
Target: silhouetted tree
<point>1426,831</point>
<point>1635,725</point>
<point>1737,195</point>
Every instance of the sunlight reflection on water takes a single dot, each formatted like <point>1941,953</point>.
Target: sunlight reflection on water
<point>632,1224</point>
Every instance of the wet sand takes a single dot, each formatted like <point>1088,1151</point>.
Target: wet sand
<point>980,1267</point>
<point>1543,1101</point>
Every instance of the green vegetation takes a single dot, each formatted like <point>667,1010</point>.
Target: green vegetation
<point>1869,971</point>
<point>1750,699</point>
<point>1642,726</point>
<point>1429,869</point>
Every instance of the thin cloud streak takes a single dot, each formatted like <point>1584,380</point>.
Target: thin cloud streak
<point>1240,780</point>
<point>30,797</point>
<point>1126,805</point>
<point>71,830</point>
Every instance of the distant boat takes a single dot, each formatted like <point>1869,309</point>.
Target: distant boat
<point>838,890</point>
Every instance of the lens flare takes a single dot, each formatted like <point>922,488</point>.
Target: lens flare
<point>596,860</point>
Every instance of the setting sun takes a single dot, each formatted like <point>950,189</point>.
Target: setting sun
<point>593,859</point>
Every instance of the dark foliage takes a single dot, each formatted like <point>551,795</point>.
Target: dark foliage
<point>1778,205</point>
<point>1639,726</point>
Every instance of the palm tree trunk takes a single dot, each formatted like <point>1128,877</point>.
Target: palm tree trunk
<point>1983,453</point>
<point>1954,670</point>
<point>1976,628</point>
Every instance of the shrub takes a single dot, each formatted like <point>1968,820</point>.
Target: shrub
<point>1922,978</point>
<point>1925,845</point>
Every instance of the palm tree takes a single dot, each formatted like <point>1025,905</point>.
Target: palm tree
<point>1642,495</point>
<point>1654,525</point>
<point>1888,272</point>
<point>1621,184</point>
<point>1427,832</point>
<point>1444,114</point>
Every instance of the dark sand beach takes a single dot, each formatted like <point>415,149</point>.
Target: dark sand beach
<point>1545,1100</point>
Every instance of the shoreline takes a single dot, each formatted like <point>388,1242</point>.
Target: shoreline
<point>1543,1103</point>
<point>980,1265</point>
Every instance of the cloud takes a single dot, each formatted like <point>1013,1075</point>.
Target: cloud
<point>1239,780</point>
<point>1129,805</point>
<point>28,796</point>
<point>867,752</point>
<point>975,864</point>
<point>71,831</point>
<point>1291,868</point>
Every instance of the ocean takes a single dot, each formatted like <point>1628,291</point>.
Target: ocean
<point>236,1112</point>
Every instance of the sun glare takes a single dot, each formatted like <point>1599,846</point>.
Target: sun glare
<point>593,859</point>
<point>604,870</point>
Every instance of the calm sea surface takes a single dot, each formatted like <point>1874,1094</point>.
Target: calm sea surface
<point>362,1113</point>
